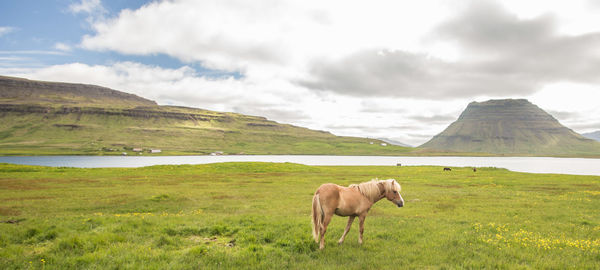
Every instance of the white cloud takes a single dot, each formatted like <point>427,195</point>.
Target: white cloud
<point>576,102</point>
<point>423,49</point>
<point>31,52</point>
<point>506,56</point>
<point>5,30</point>
<point>62,47</point>
<point>242,35</point>
<point>93,9</point>
<point>87,6</point>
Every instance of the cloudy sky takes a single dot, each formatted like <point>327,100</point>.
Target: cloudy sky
<point>396,69</point>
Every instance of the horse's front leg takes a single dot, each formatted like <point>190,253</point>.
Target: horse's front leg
<point>350,220</point>
<point>361,220</point>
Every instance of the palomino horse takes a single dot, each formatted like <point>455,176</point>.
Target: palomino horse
<point>352,201</point>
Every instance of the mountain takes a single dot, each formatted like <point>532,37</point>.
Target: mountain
<point>592,135</point>
<point>511,126</point>
<point>22,91</point>
<point>393,142</point>
<point>50,118</point>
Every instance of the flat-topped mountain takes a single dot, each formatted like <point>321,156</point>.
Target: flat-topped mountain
<point>22,91</point>
<point>510,126</point>
<point>46,118</point>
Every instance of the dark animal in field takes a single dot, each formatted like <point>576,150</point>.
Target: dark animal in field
<point>447,169</point>
<point>352,201</point>
<point>13,221</point>
<point>474,169</point>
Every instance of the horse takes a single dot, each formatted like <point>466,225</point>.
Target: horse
<point>447,169</point>
<point>352,201</point>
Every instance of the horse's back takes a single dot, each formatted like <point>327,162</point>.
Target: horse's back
<point>326,189</point>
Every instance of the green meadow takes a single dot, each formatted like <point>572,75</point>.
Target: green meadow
<point>256,215</point>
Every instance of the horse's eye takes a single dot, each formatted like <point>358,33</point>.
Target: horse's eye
<point>395,192</point>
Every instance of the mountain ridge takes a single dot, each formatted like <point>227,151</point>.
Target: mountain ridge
<point>24,91</point>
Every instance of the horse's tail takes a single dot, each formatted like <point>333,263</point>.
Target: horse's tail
<point>317,217</point>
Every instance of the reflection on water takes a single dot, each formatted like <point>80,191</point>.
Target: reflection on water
<point>581,166</point>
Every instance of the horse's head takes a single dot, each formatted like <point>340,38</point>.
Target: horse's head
<point>391,190</point>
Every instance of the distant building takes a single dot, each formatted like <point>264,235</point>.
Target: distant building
<point>155,151</point>
<point>370,142</point>
<point>383,144</point>
<point>124,153</point>
<point>217,153</point>
<point>137,150</point>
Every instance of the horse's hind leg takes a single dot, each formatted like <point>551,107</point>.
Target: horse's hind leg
<point>326,220</point>
<point>361,220</point>
<point>350,220</point>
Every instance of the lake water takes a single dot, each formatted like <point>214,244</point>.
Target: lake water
<point>581,166</point>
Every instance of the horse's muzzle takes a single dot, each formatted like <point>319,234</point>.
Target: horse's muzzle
<point>400,204</point>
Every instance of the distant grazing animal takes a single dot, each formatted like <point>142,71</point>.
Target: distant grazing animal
<point>352,201</point>
<point>447,169</point>
<point>474,169</point>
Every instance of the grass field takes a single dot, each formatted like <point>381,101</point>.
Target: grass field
<point>256,215</point>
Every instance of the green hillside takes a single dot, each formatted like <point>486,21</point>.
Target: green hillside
<point>511,127</point>
<point>59,118</point>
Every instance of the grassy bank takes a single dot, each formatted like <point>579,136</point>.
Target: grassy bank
<point>256,215</point>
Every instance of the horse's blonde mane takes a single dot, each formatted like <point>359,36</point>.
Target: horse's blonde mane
<point>371,190</point>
